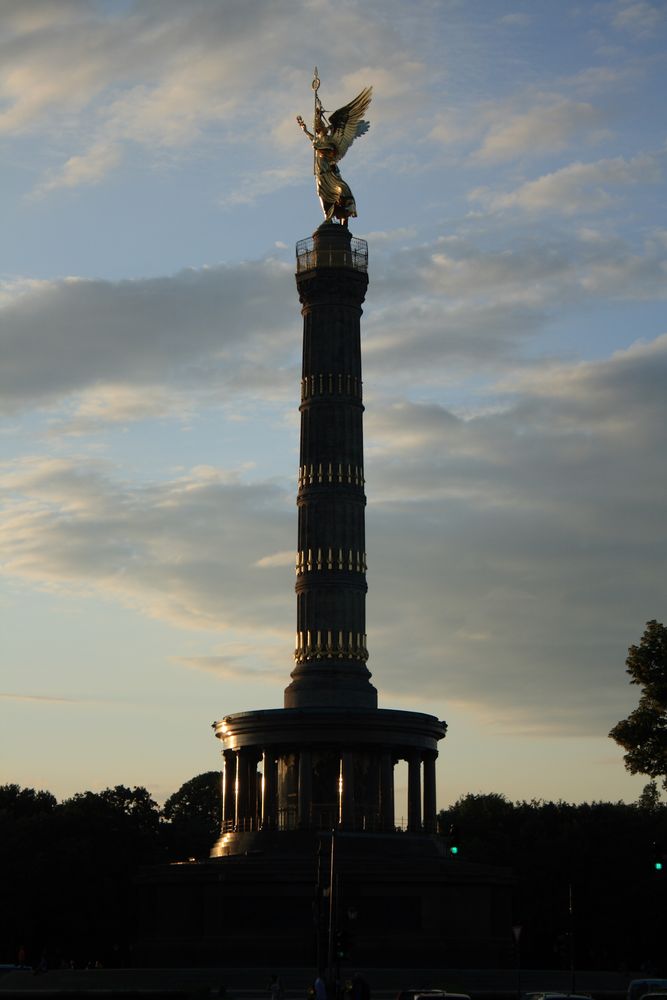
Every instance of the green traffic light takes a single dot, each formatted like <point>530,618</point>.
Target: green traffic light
<point>455,850</point>
<point>658,866</point>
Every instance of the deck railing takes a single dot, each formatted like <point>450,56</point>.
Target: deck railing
<point>311,254</point>
<point>287,820</point>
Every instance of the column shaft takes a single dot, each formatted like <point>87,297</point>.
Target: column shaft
<point>228,791</point>
<point>251,811</point>
<point>429,793</point>
<point>269,796</point>
<point>330,652</point>
<point>305,795</point>
<point>241,803</point>
<point>414,792</point>
<point>387,791</point>
<point>347,796</point>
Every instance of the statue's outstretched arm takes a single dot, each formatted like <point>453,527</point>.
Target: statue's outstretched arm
<point>302,125</point>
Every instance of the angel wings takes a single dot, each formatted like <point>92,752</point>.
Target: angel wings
<point>346,124</point>
<point>331,138</point>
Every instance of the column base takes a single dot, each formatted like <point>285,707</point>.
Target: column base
<point>330,684</point>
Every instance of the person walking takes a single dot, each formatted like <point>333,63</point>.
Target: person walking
<point>276,991</point>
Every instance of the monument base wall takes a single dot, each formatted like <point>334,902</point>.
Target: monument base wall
<point>398,901</point>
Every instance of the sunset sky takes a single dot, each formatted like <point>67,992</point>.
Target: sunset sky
<point>153,183</point>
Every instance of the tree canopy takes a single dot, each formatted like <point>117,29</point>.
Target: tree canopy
<point>643,735</point>
<point>19,803</point>
<point>193,814</point>
<point>69,869</point>
<point>199,797</point>
<point>596,857</point>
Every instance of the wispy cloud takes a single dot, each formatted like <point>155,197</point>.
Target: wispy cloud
<point>547,127</point>
<point>63,337</point>
<point>225,667</point>
<point>87,168</point>
<point>48,699</point>
<point>71,527</point>
<point>506,525</point>
<point>276,559</point>
<point>577,188</point>
<point>170,79</point>
<point>638,17</point>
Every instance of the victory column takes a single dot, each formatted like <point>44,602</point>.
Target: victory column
<point>310,843</point>
<point>328,757</point>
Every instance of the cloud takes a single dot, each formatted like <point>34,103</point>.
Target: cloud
<point>527,539</point>
<point>171,80</point>
<point>88,168</point>
<point>103,405</point>
<point>69,526</point>
<point>202,328</point>
<point>602,79</point>
<point>102,353</point>
<point>55,61</point>
<point>638,17</point>
<point>517,17</point>
<point>47,699</point>
<point>535,530</point>
<point>577,188</point>
<point>622,396</point>
<point>451,306</point>
<point>262,183</point>
<point>232,669</point>
<point>558,423</point>
<point>276,559</point>
<point>545,128</point>
<point>533,121</point>
<point>389,236</point>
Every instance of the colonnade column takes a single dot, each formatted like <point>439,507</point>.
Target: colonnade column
<point>387,791</point>
<point>244,808</point>
<point>414,792</point>
<point>347,796</point>
<point>429,792</point>
<point>245,814</point>
<point>228,791</point>
<point>270,790</point>
<point>251,810</point>
<point>305,793</point>
<point>241,797</point>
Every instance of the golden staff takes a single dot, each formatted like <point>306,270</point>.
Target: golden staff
<point>316,86</point>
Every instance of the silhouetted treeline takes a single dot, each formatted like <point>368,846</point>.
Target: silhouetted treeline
<point>596,859</point>
<point>67,870</point>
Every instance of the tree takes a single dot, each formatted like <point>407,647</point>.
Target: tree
<point>602,851</point>
<point>650,797</point>
<point>643,735</point>
<point>198,798</point>
<point>99,842</point>
<point>27,818</point>
<point>120,807</point>
<point>20,802</point>
<point>194,814</point>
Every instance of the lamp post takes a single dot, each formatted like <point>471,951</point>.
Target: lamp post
<point>332,912</point>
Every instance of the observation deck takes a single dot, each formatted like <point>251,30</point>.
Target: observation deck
<point>313,252</point>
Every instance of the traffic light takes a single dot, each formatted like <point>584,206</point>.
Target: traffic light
<point>658,858</point>
<point>454,844</point>
<point>342,944</point>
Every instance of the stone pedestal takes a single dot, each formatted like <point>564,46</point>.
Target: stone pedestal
<point>264,905</point>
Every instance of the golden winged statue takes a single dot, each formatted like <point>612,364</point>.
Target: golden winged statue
<point>331,138</point>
